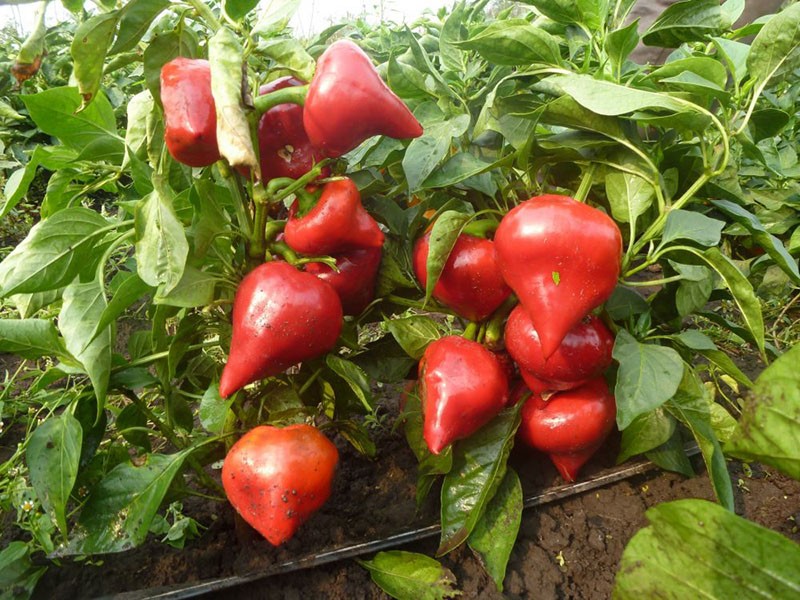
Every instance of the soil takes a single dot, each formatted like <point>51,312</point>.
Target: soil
<point>567,549</point>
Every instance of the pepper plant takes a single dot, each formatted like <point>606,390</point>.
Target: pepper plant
<point>481,114</point>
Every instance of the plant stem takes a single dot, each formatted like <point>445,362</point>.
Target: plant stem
<point>290,95</point>
<point>173,438</point>
<point>208,16</point>
<point>586,183</point>
<point>146,360</point>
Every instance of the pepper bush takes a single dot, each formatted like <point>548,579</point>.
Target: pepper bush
<point>693,160</point>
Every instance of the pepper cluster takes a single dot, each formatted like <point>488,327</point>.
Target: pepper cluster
<point>561,258</point>
<point>284,315</point>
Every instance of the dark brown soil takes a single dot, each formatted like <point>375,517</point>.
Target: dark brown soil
<point>568,549</point>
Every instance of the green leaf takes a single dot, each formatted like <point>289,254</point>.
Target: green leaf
<point>671,456</point>
<point>514,42</point>
<point>692,226</point>
<point>735,55</point>
<point>629,196</point>
<point>88,50</point>
<point>161,246</point>
<point>195,288</point>
<point>407,575</point>
<point>18,575</point>
<point>274,16</point>
<point>591,13</point>
<point>771,244</point>
<point>648,376</point>
<point>769,428</point>
<point>130,290</point>
<point>18,184</point>
<point>707,68</point>
<point>132,417</point>
<point>29,304</point>
<point>453,31</point>
<point>119,510</point>
<point>620,43</point>
<point>479,466</point>
<point>701,343</point>
<point>290,54</point>
<point>444,235</point>
<point>414,333</point>
<point>775,52</point>
<point>238,9</point>
<point>690,406</point>
<point>687,21</point>
<point>696,549</point>
<point>84,304</point>
<point>426,152</point>
<point>54,252</point>
<point>30,338</point>
<point>354,377</point>
<point>495,534</point>
<point>226,56</point>
<point>55,112</point>
<point>457,169</point>
<point>611,99</point>
<point>645,433</point>
<point>137,15</point>
<point>625,303</point>
<point>214,411</point>
<point>52,455</point>
<point>740,288</point>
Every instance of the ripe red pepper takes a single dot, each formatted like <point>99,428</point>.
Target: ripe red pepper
<point>355,278</point>
<point>281,316</point>
<point>190,119</point>
<point>277,478</point>
<point>562,258</point>
<point>470,282</point>
<point>583,355</point>
<point>570,426</point>
<point>348,102</point>
<point>462,387</point>
<point>337,223</point>
<point>283,144</point>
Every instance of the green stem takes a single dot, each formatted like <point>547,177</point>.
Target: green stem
<point>285,251</point>
<point>257,239</point>
<point>173,438</point>
<point>494,327</point>
<point>470,331</point>
<point>299,184</point>
<point>657,225</point>
<point>208,16</point>
<point>289,95</point>
<point>480,228</point>
<point>151,358</point>
<point>586,183</point>
<point>652,282</point>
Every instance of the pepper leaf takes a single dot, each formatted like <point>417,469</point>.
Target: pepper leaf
<point>495,534</point>
<point>694,548</point>
<point>410,575</point>
<point>53,454</point>
<point>648,376</point>
<point>770,421</point>
<point>88,50</point>
<point>444,235</point>
<point>228,82</point>
<point>479,466</point>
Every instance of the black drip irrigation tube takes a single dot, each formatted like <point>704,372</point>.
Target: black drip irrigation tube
<point>349,551</point>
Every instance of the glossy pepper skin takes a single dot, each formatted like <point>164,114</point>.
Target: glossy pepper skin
<point>462,387</point>
<point>562,258</point>
<point>281,316</point>
<point>355,279</point>
<point>283,144</point>
<point>570,426</point>
<point>470,282</point>
<point>190,119</point>
<point>348,102</point>
<point>337,223</point>
<point>276,478</point>
<point>583,355</point>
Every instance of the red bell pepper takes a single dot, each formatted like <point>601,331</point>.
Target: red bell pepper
<point>348,102</point>
<point>190,119</point>
<point>337,223</point>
